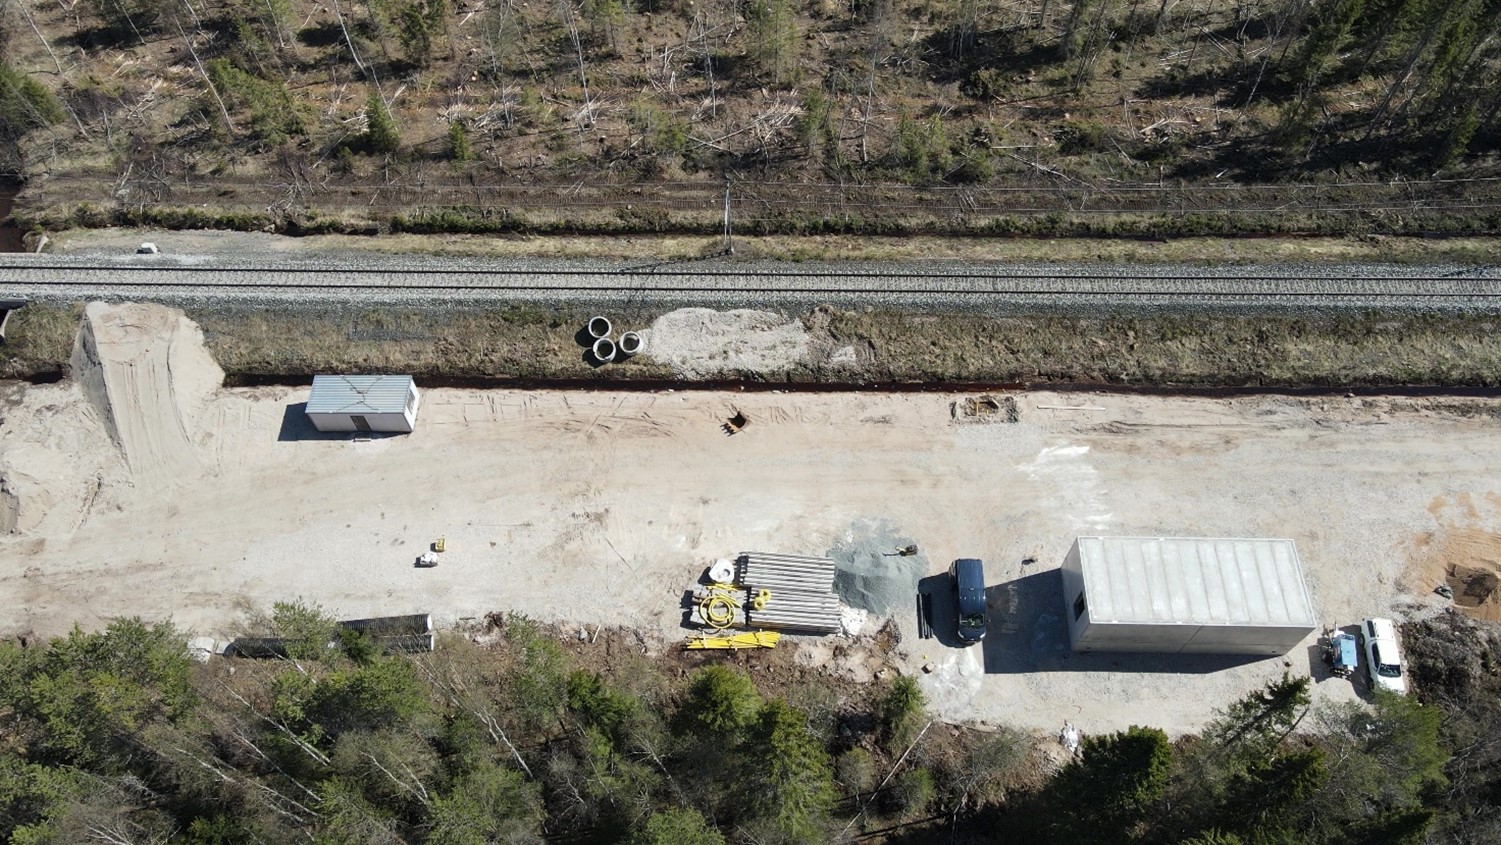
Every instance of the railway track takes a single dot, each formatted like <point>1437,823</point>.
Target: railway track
<point>450,281</point>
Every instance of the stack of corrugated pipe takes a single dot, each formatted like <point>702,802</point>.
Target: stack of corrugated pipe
<point>406,634</point>
<point>802,592</point>
<point>606,350</point>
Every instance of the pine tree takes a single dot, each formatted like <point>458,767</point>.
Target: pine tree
<point>458,143</point>
<point>381,135</point>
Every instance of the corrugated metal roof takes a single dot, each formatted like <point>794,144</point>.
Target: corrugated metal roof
<point>359,394</point>
<point>1159,580</point>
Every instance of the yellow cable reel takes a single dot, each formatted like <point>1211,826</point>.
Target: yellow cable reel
<point>717,609</point>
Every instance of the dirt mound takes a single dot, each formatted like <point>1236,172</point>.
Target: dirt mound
<point>1474,586</point>
<point>145,370</point>
<point>871,572</point>
<point>1467,558</point>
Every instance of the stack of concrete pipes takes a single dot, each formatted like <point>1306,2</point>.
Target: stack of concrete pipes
<point>606,350</point>
<point>802,592</point>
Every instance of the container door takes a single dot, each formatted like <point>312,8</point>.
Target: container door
<point>360,423</point>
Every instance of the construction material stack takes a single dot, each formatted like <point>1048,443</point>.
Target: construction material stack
<point>800,592</point>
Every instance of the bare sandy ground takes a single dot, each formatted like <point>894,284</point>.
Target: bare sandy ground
<point>600,507</point>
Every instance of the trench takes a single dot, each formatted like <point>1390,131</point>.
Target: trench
<point>752,386</point>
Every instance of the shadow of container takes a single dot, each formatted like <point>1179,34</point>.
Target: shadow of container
<point>1028,633</point>
<point>295,426</point>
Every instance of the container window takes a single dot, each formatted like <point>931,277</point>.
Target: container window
<point>1079,606</point>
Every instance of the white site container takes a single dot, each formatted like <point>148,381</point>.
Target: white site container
<point>363,403</point>
<point>1185,595</point>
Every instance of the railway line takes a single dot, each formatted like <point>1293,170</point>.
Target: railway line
<point>447,281</point>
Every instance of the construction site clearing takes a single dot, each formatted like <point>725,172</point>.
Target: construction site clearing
<point>143,487</point>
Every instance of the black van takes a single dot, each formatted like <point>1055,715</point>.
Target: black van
<point>967,577</point>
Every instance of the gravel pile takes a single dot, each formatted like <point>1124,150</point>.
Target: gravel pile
<point>698,342</point>
<point>869,574</point>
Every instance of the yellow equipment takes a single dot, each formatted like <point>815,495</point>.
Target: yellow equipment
<point>759,602</point>
<point>754,639</point>
<point>717,610</point>
<point>438,544</point>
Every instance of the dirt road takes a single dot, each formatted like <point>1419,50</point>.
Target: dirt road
<point>601,507</point>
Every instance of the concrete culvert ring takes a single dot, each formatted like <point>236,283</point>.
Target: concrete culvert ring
<point>631,343</point>
<point>599,327</point>
<point>604,350</point>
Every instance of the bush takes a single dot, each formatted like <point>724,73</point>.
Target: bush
<point>458,143</point>
<point>306,629</point>
<point>274,114</point>
<point>488,805</point>
<point>381,135</point>
<point>856,771</point>
<point>85,699</point>
<point>985,84</point>
<point>909,793</point>
<point>598,705</point>
<point>721,700</point>
<point>922,148</point>
<point>902,714</point>
<point>24,104</point>
<point>676,827</point>
<point>660,132</point>
<point>1076,137</point>
<point>789,783</point>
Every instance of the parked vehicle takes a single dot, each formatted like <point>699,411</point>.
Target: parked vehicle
<point>1383,656</point>
<point>967,576</point>
<point>1341,653</point>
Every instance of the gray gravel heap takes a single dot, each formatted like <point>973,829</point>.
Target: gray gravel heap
<point>868,572</point>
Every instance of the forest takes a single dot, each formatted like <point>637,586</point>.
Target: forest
<point>281,103</point>
<point>517,732</point>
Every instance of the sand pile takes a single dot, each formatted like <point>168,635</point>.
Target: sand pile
<point>869,573</point>
<point>699,342</point>
<point>146,372</point>
<point>1465,555</point>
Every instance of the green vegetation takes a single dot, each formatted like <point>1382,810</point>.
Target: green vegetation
<point>458,143</point>
<point>1093,118</point>
<point>531,740</point>
<point>381,135</point>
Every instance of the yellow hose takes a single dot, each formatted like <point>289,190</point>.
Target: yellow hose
<point>717,609</point>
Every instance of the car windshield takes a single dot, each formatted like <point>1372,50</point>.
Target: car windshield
<point>1389,670</point>
<point>973,620</point>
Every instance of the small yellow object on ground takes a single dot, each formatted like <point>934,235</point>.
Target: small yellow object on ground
<point>439,544</point>
<point>762,597</point>
<point>755,639</point>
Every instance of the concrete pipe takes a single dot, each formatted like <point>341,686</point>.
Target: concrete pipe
<point>604,350</point>
<point>599,327</point>
<point>630,344</point>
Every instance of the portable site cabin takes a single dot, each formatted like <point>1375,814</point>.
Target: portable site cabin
<point>1185,595</point>
<point>363,403</point>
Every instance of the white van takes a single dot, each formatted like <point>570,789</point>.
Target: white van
<point>1383,657</point>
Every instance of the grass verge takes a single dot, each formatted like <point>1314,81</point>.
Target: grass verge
<point>528,342</point>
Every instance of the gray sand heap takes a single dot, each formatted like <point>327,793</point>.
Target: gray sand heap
<point>868,571</point>
<point>148,375</point>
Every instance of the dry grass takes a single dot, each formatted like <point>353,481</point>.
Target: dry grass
<point>1482,250</point>
<point>535,343</point>
<point>39,341</point>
